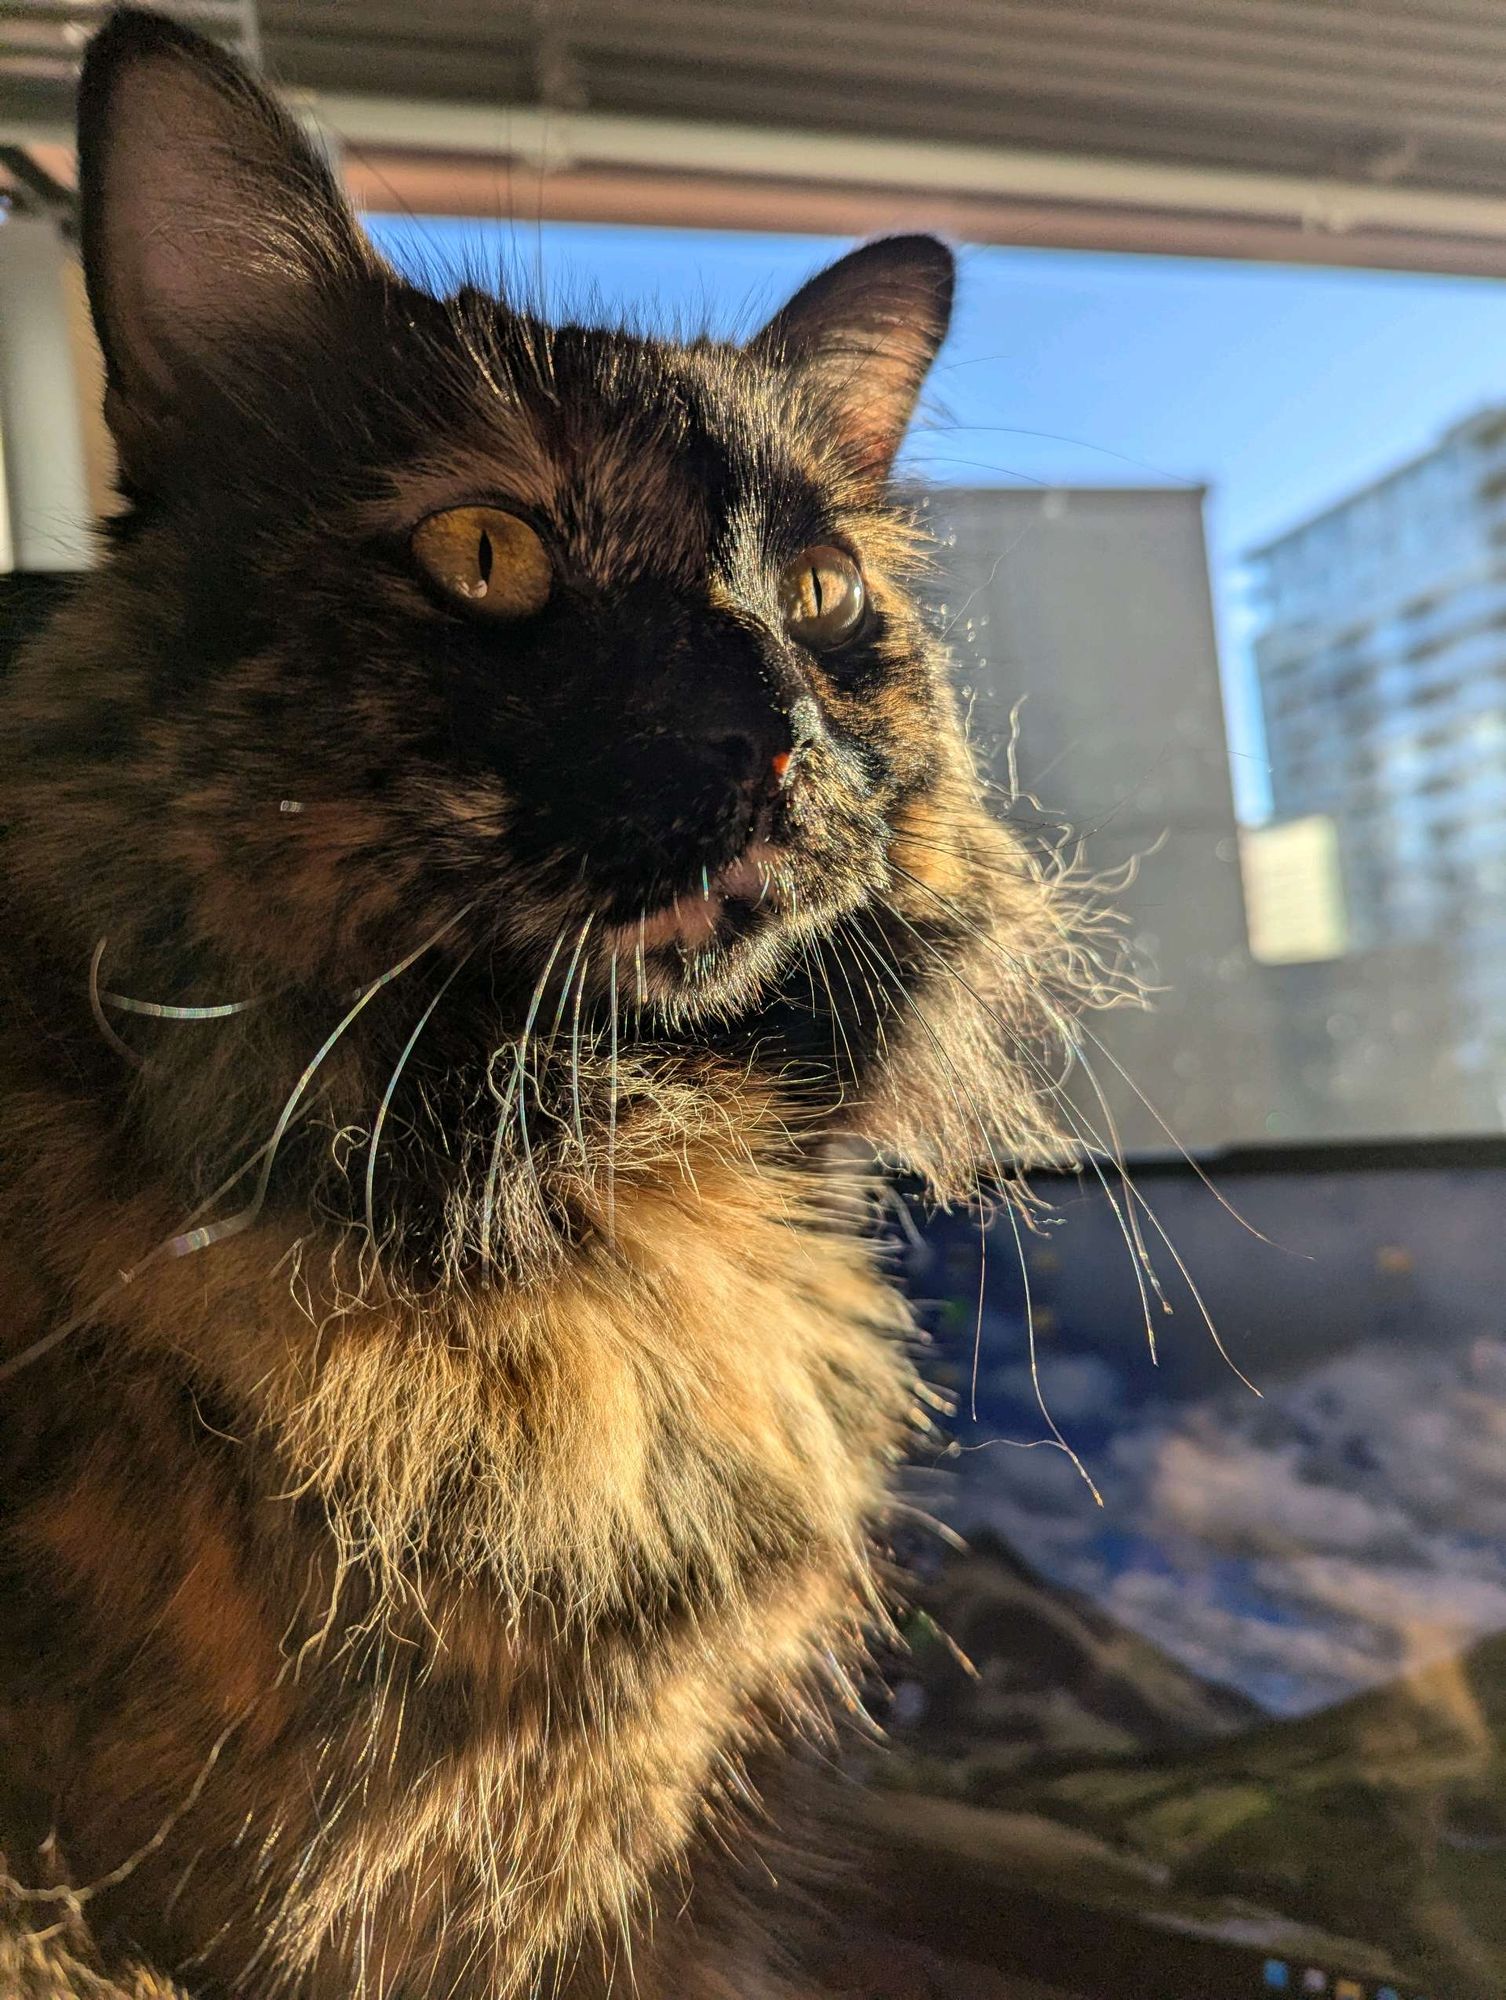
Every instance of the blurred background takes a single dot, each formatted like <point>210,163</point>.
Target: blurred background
<point>1216,461</point>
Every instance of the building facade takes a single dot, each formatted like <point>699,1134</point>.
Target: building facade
<point>1081,620</point>
<point>1381,658</point>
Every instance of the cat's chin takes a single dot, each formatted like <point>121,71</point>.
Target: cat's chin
<point>757,880</point>
<point>711,942</point>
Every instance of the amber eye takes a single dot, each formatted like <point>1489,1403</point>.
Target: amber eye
<point>488,560</point>
<point>821,596</point>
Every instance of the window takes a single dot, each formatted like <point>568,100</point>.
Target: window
<point>1127,459</point>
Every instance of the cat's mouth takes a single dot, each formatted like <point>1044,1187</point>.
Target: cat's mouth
<point>726,902</point>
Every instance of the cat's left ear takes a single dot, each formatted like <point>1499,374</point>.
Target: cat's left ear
<point>213,231</point>
<point>859,338</point>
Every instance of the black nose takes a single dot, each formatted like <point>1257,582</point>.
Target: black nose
<point>682,757</point>
<point>756,756</point>
<point>720,781</point>
<point>743,760</point>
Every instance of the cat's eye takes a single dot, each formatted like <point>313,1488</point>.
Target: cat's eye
<point>821,598</point>
<point>488,560</point>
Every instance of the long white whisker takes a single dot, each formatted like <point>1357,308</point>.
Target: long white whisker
<point>841,963</point>
<point>1056,1437</point>
<point>1035,1368</point>
<point>1197,1297</point>
<point>575,1112</point>
<point>379,1122</point>
<point>1140,1256</point>
<point>837,1023</point>
<point>559,1012</point>
<point>612,1104</point>
<point>160,1010</point>
<point>101,1020</point>
<point>1003,1183</point>
<point>896,979</point>
<point>1082,1129</point>
<point>1132,1193</point>
<point>1222,1200</point>
<point>216,1232</point>
<point>504,1110</point>
<point>1067,1035</point>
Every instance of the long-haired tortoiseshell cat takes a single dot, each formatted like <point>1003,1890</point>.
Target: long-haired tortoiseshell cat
<point>492,823</point>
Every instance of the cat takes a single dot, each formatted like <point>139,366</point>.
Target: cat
<point>487,842</point>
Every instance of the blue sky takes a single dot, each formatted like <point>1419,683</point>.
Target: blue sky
<point>1278,388</point>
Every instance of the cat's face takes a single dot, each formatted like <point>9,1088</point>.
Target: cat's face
<point>602,641</point>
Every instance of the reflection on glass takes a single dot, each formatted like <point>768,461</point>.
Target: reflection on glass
<point>1252,1707</point>
<point>1381,655</point>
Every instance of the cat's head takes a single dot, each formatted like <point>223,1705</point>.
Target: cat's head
<point>558,657</point>
<point>581,628</point>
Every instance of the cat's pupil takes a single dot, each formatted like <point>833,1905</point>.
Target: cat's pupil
<point>484,558</point>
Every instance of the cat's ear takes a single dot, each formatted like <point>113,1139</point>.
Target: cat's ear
<point>860,337</point>
<point>209,221</point>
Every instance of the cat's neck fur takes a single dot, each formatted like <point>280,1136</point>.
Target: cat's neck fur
<point>410,1546</point>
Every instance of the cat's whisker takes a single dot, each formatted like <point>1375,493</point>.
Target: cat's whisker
<point>839,1027</point>
<point>523,1054</point>
<point>379,1122</point>
<point>1081,1128</point>
<point>201,1239</point>
<point>514,1092</point>
<point>580,942</point>
<point>1222,1200</point>
<point>810,976</point>
<point>876,1007</point>
<point>101,1020</point>
<point>612,1102</point>
<point>161,1010</point>
<point>841,967</point>
<point>1147,1279</point>
<point>1134,1196</point>
<point>1034,1356</point>
<point>1135,1199</point>
<point>1141,1259</point>
<point>969,1106</point>
<point>1197,1297</point>
<point>575,1109</point>
<point>889,966</point>
<point>1003,1182</point>
<point>1095,984</point>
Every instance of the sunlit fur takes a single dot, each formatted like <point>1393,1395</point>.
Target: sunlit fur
<point>453,1388</point>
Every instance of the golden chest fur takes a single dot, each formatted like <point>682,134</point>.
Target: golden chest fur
<point>435,1634</point>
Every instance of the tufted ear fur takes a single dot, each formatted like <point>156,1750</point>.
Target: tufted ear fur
<point>208,220</point>
<point>859,338</point>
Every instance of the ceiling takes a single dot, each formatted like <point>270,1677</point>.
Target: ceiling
<point>1337,130</point>
<point>1342,87</point>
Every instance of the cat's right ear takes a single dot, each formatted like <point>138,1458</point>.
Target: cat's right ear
<point>209,223</point>
<point>857,340</point>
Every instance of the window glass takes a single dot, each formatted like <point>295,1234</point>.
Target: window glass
<point>1224,570</point>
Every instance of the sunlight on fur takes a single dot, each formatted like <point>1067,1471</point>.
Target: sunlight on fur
<point>454,1384</point>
